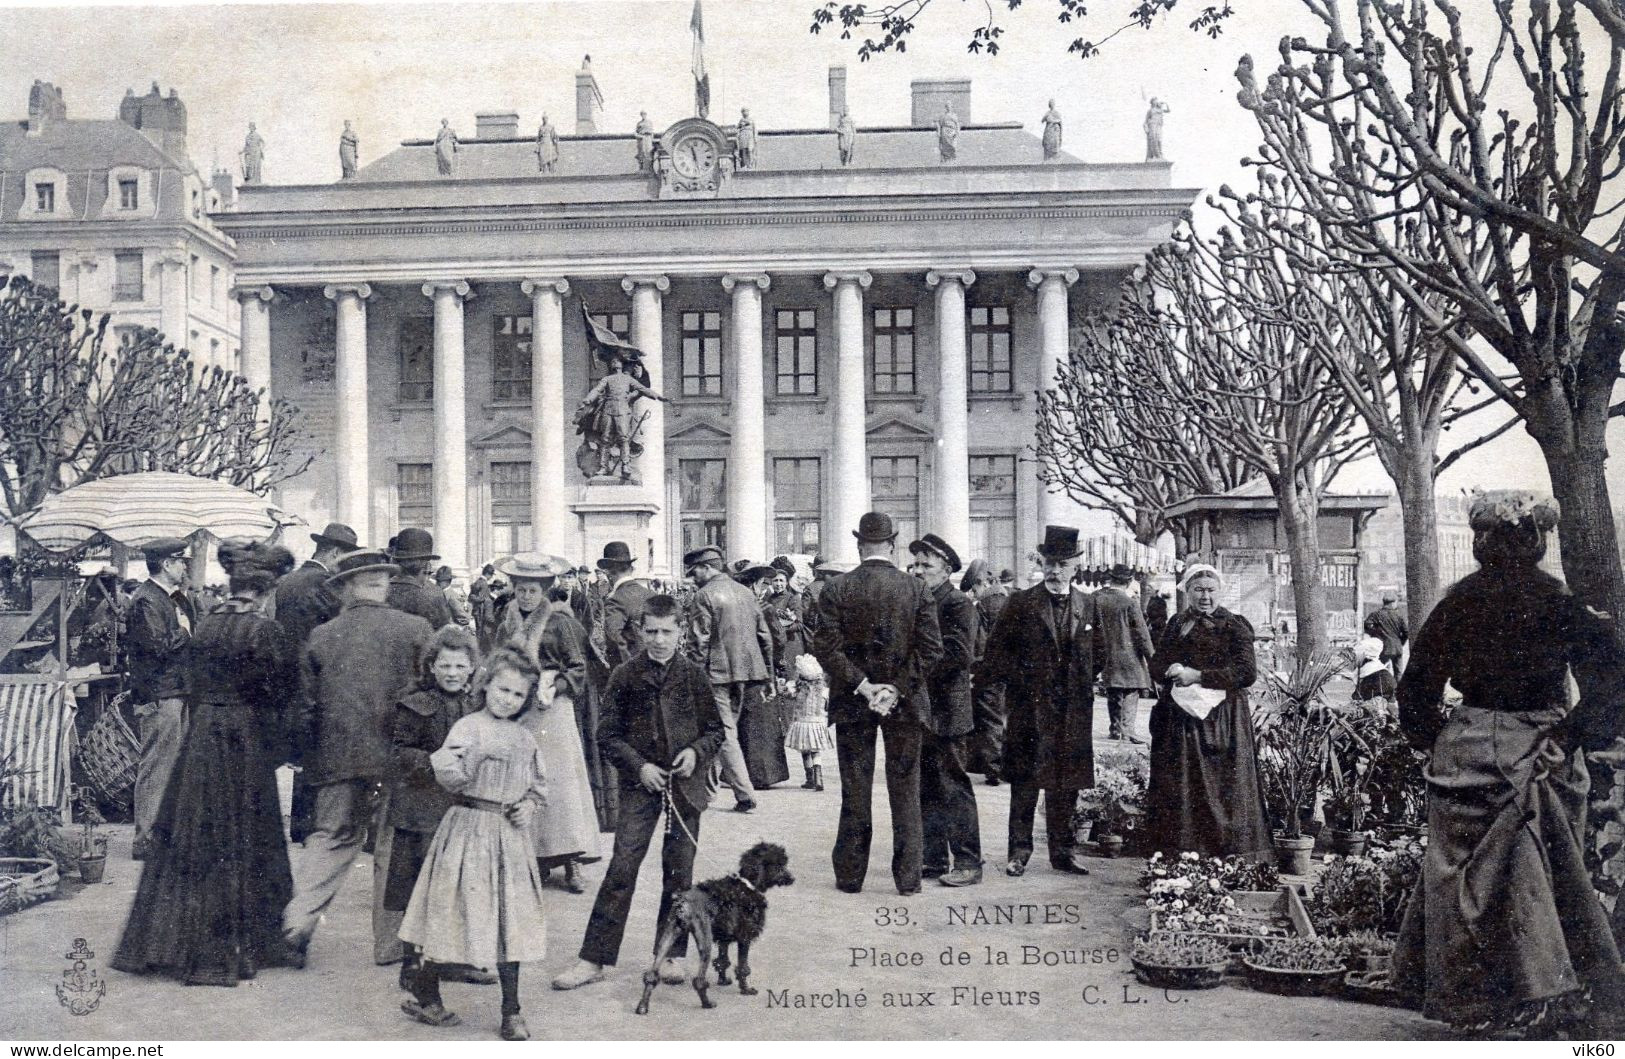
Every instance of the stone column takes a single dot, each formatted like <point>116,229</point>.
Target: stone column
<point>647,300</point>
<point>450,424</point>
<point>747,440</point>
<point>848,475</point>
<point>255,314</point>
<point>173,302</point>
<point>352,501</point>
<point>550,519</point>
<point>1051,285</point>
<point>952,512</point>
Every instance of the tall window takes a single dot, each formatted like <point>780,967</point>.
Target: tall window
<point>993,510</point>
<point>894,486</point>
<point>194,276</point>
<point>798,504</point>
<point>796,340</point>
<point>129,194</point>
<point>414,495</point>
<point>704,492</point>
<point>702,354</point>
<point>45,198</point>
<point>619,324</point>
<point>894,351</point>
<point>990,349</point>
<point>214,286</point>
<point>510,358</point>
<point>45,268</point>
<point>510,507</point>
<point>127,276</point>
<point>417,358</point>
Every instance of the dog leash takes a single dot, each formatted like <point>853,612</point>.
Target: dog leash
<point>674,819</point>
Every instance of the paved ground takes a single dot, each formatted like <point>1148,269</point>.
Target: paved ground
<point>1064,937</point>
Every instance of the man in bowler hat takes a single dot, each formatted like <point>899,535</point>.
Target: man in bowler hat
<point>623,605</point>
<point>409,590</point>
<point>878,641</point>
<point>157,632</point>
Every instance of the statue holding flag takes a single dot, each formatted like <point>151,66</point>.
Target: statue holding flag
<point>702,79</point>
<point>607,418</point>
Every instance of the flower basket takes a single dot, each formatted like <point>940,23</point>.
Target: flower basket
<point>1286,982</point>
<point>1296,967</point>
<point>1179,961</point>
<point>25,880</point>
<point>1161,976</point>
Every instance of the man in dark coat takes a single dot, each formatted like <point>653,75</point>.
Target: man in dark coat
<point>953,836</point>
<point>352,672</point>
<point>878,641</point>
<point>1392,630</point>
<point>158,630</point>
<point>1042,652</point>
<point>410,590</point>
<point>981,582</point>
<point>623,605</point>
<point>731,641</point>
<point>1126,651</point>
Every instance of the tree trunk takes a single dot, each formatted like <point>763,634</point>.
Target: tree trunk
<point>1300,516</point>
<point>1418,510</point>
<point>1591,563</point>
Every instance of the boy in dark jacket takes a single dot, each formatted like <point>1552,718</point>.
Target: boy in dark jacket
<point>657,709</point>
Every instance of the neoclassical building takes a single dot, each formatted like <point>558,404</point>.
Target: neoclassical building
<point>844,321</point>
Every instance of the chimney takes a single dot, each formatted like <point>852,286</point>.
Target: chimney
<point>929,97</point>
<point>161,120</point>
<point>45,105</point>
<point>224,189</point>
<point>496,125</point>
<point>589,101</point>
<point>837,94</point>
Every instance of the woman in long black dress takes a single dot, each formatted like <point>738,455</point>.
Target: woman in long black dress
<point>1204,793</point>
<point>209,907</point>
<point>1503,931</point>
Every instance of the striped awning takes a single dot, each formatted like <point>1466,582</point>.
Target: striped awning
<point>1108,549</point>
<point>36,727</point>
<point>133,509</point>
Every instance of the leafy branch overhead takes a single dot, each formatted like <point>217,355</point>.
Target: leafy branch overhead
<point>886,27</point>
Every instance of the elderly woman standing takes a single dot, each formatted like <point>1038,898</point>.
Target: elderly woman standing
<point>1503,931</point>
<point>1204,793</point>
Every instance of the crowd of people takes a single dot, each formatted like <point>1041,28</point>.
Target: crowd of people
<point>478,742</point>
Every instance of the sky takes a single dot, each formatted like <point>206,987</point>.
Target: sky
<point>299,70</point>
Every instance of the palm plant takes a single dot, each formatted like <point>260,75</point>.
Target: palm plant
<point>1294,726</point>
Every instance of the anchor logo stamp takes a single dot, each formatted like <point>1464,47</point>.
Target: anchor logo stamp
<point>80,990</point>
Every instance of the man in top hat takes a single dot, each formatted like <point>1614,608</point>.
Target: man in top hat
<point>731,641</point>
<point>158,629</point>
<point>878,641</point>
<point>413,552</point>
<point>624,604</point>
<point>953,837</point>
<point>1042,653</point>
<point>352,672</point>
<point>1126,651</point>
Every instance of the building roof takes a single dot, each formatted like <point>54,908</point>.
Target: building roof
<point>1255,495</point>
<point>796,149</point>
<point>84,150</point>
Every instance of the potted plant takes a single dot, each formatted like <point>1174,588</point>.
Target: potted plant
<point>1345,820</point>
<point>1294,731</point>
<point>1368,893</point>
<point>1368,951</point>
<point>1296,966</point>
<point>1115,804</point>
<point>1179,961</point>
<point>92,844</point>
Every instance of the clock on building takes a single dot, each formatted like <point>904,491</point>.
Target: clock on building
<point>693,160</point>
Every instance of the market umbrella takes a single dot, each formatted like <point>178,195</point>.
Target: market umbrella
<point>1102,551</point>
<point>132,509</point>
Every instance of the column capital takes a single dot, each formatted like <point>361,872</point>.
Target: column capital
<point>264,293</point>
<point>360,290</point>
<point>459,287</point>
<point>733,279</point>
<point>659,283</point>
<point>557,284</point>
<point>1064,273</point>
<point>861,277</point>
<point>964,276</point>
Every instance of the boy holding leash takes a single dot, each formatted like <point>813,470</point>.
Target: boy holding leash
<point>660,728</point>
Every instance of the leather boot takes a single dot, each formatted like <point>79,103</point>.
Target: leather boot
<point>808,784</point>
<point>818,777</point>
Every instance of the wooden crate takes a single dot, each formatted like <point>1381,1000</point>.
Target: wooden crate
<point>1279,912</point>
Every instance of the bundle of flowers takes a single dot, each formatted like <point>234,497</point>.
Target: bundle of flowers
<point>1193,893</point>
<point>1116,803</point>
<point>1367,893</point>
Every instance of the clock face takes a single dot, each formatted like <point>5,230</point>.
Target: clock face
<point>693,156</point>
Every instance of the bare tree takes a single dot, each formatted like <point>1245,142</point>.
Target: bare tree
<point>1403,119</point>
<point>73,410</point>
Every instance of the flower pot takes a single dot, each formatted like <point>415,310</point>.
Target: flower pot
<point>1371,962</point>
<point>1166,977</point>
<point>1109,845</point>
<point>1291,982</point>
<point>1292,854</point>
<point>1348,843</point>
<point>92,866</point>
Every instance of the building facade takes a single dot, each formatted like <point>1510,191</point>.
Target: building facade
<point>112,213</point>
<point>845,320</point>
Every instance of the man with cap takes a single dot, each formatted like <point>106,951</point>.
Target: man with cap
<point>981,582</point>
<point>1042,653</point>
<point>303,601</point>
<point>413,551</point>
<point>158,629</point>
<point>730,640</point>
<point>623,605</point>
<point>1126,651</point>
<point>1391,629</point>
<point>878,641</point>
<point>352,672</point>
<point>953,837</point>
<point>456,597</point>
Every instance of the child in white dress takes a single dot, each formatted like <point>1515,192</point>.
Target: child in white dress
<point>809,720</point>
<point>478,898</point>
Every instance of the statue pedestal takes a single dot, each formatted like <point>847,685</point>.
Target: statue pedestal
<point>611,510</point>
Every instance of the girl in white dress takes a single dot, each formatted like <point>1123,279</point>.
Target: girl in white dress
<point>478,899</point>
<point>565,830</point>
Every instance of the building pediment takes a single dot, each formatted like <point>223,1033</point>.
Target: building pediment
<point>505,436</point>
<point>700,432</point>
<point>898,430</point>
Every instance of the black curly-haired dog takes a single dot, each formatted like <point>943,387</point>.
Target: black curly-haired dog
<point>720,912</point>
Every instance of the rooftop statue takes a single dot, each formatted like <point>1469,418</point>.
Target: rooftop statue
<point>547,146</point>
<point>445,147</point>
<point>1153,129</point>
<point>1052,132</point>
<point>645,133</point>
<point>846,137</point>
<point>349,146</point>
<point>746,141</point>
<point>948,133</point>
<point>253,156</point>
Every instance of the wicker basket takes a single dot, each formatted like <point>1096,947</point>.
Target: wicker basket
<point>109,753</point>
<point>24,881</point>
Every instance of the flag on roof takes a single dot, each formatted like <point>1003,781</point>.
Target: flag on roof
<point>702,78</point>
